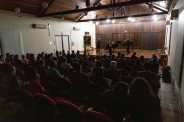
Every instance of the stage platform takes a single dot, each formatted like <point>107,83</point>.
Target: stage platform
<point>145,53</point>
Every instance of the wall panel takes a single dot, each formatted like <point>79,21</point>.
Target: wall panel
<point>133,31</point>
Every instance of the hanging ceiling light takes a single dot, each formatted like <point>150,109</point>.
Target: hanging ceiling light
<point>152,11</point>
<point>17,9</point>
<point>45,4</point>
<point>76,7</point>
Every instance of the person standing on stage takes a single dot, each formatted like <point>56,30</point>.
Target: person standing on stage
<point>98,45</point>
<point>128,46</point>
<point>110,51</point>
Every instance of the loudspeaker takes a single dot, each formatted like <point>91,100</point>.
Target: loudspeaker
<point>76,29</point>
<point>39,26</point>
<point>174,14</point>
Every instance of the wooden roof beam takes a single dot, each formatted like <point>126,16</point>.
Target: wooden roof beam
<point>158,8</point>
<point>123,17</point>
<point>100,7</point>
<point>43,10</point>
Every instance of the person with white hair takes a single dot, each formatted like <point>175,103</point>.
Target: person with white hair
<point>113,73</point>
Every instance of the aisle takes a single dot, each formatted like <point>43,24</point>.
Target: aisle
<point>169,105</point>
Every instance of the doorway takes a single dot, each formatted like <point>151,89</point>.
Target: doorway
<point>62,42</point>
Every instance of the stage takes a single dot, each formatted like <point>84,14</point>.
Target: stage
<point>145,53</point>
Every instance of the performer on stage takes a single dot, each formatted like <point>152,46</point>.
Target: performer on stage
<point>128,46</point>
<point>110,50</point>
<point>113,45</point>
<point>98,45</point>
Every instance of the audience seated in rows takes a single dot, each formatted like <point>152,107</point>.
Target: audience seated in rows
<point>87,80</point>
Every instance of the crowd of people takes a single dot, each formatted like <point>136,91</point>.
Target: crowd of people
<point>100,82</point>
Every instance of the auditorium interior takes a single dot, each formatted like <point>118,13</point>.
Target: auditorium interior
<point>92,60</point>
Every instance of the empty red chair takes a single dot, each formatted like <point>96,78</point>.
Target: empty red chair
<point>94,116</point>
<point>69,112</point>
<point>45,107</point>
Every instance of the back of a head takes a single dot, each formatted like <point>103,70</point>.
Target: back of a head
<point>52,63</point>
<point>146,65</point>
<point>122,55</point>
<point>121,88</point>
<point>76,66</point>
<point>113,64</point>
<point>140,88</point>
<point>30,74</point>
<point>7,68</point>
<point>98,63</point>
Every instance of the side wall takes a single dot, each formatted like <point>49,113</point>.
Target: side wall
<point>176,52</point>
<point>38,40</point>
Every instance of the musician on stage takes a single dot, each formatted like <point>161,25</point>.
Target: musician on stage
<point>98,45</point>
<point>113,45</point>
<point>128,46</point>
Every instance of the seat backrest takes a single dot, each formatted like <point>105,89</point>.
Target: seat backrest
<point>25,97</point>
<point>94,116</point>
<point>44,105</point>
<point>128,68</point>
<point>7,93</point>
<point>69,112</point>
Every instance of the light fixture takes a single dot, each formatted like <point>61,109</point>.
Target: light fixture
<point>17,9</point>
<point>125,31</point>
<point>85,13</point>
<point>152,11</point>
<point>97,23</point>
<point>155,18</point>
<point>113,21</point>
<point>45,4</point>
<point>76,7</point>
<point>90,22</point>
<point>107,20</point>
<point>133,19</point>
<point>129,18</point>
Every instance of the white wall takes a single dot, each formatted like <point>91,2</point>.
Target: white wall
<point>37,40</point>
<point>176,50</point>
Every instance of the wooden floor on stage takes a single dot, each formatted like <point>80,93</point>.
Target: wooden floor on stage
<point>145,53</point>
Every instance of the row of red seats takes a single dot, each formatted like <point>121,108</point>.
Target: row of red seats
<point>43,108</point>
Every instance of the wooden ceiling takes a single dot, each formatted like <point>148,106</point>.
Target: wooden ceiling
<point>99,10</point>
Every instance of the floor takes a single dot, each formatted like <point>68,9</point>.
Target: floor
<point>146,53</point>
<point>169,105</point>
